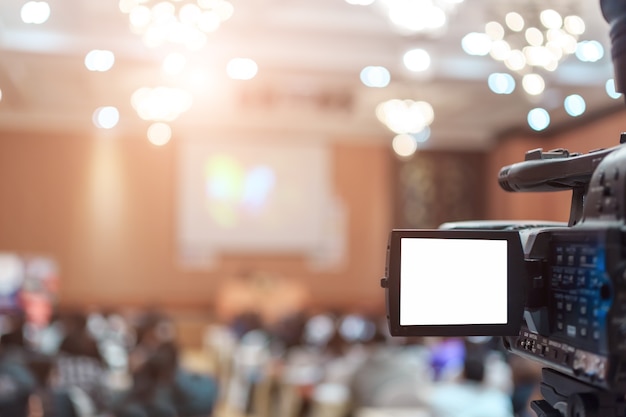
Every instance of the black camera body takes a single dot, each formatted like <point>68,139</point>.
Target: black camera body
<point>557,294</point>
<point>575,313</point>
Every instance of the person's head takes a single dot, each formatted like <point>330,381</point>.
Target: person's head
<point>474,369</point>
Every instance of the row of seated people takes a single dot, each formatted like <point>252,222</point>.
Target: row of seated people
<point>71,369</point>
<point>331,365</point>
<point>322,365</point>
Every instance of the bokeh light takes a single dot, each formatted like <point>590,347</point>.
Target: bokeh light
<point>159,133</point>
<point>106,117</point>
<point>538,119</point>
<point>416,60</point>
<point>242,69</point>
<point>501,83</point>
<point>375,76</point>
<point>404,145</point>
<point>35,12</point>
<point>610,89</point>
<point>575,105</point>
<point>99,60</point>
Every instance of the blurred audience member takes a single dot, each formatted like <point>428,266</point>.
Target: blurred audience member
<point>162,389</point>
<point>393,376</point>
<point>470,396</point>
<point>17,384</point>
<point>526,380</point>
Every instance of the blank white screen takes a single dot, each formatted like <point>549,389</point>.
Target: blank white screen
<point>453,281</point>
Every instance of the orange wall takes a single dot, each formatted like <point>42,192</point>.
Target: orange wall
<point>105,209</point>
<point>602,133</point>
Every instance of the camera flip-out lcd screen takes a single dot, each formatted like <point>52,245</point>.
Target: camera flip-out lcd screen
<point>455,282</point>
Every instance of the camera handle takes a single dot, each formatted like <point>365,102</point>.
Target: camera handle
<point>565,396</point>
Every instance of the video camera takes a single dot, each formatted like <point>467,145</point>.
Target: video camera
<point>556,292</point>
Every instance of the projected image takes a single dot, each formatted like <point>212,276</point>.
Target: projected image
<point>235,192</point>
<point>453,281</point>
<point>254,197</point>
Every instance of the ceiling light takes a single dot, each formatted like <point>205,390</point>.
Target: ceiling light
<point>177,22</point>
<point>551,19</point>
<point>501,83</point>
<point>376,77</point>
<point>174,63</point>
<point>476,43</point>
<point>533,84</point>
<point>412,17</point>
<point>161,103</point>
<point>514,21</point>
<point>159,133</point>
<point>589,51</point>
<point>35,12</point>
<point>99,60</point>
<point>416,60</point>
<point>575,105</point>
<point>405,116</point>
<point>543,45</point>
<point>241,69</point>
<point>538,119</point>
<point>574,25</point>
<point>404,145</point>
<point>610,89</point>
<point>106,117</point>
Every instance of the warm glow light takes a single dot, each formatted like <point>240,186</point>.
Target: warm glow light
<point>35,12</point>
<point>360,2</point>
<point>0,95</point>
<point>405,116</point>
<point>515,61</point>
<point>404,145</point>
<point>174,63</point>
<point>514,21</point>
<point>159,133</point>
<point>574,25</point>
<point>99,60</point>
<point>416,60</point>
<point>534,36</point>
<point>551,19</point>
<point>177,22</point>
<point>533,84</point>
<point>500,50</point>
<point>494,31</point>
<point>160,103</point>
<point>242,69</point>
<point>411,17</point>
<point>475,43</point>
<point>542,47</point>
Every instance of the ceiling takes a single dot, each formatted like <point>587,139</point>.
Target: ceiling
<point>309,53</point>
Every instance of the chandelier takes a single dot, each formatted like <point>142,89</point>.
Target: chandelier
<point>529,45</point>
<point>176,22</point>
